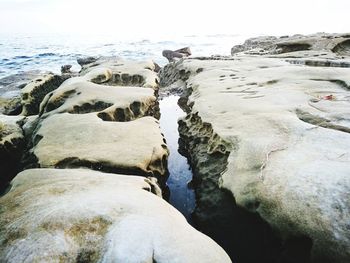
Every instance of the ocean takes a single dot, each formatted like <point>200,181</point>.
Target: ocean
<point>50,52</point>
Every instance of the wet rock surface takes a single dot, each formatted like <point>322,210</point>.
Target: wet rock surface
<point>273,135</point>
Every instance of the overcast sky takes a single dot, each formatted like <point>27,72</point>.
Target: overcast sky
<point>149,18</point>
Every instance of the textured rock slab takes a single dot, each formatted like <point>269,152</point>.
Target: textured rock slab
<point>114,103</point>
<point>72,140</point>
<point>55,215</point>
<point>285,129</point>
<point>322,43</point>
<point>115,71</point>
<point>35,91</point>
<point>11,147</point>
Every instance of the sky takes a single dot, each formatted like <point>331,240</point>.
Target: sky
<point>147,18</point>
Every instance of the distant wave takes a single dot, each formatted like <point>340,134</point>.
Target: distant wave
<point>21,57</point>
<point>46,55</point>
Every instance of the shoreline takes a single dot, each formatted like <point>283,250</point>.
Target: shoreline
<point>266,134</point>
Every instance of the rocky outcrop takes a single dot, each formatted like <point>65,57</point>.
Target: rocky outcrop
<point>111,103</point>
<point>100,120</point>
<point>86,60</point>
<point>281,131</point>
<point>79,215</point>
<point>172,56</point>
<point>318,45</point>
<point>35,91</point>
<point>134,147</point>
<point>122,73</point>
<point>11,148</point>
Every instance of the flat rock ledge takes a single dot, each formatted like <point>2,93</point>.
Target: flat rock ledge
<point>111,103</point>
<point>275,134</point>
<point>134,147</point>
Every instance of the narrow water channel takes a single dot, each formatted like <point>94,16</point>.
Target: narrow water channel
<point>180,174</point>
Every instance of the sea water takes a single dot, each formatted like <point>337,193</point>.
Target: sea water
<point>50,52</point>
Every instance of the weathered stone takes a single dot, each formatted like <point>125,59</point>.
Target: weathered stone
<point>79,215</point>
<point>320,45</point>
<point>282,131</point>
<point>177,54</point>
<point>84,140</point>
<point>122,73</point>
<point>11,148</point>
<point>34,92</point>
<point>112,103</point>
<point>86,60</point>
<point>185,50</point>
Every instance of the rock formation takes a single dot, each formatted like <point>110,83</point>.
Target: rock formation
<point>35,91</point>
<point>101,159</point>
<point>79,215</point>
<point>268,131</point>
<point>177,54</point>
<point>112,103</point>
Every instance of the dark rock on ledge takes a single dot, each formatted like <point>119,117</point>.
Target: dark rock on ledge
<point>177,54</point>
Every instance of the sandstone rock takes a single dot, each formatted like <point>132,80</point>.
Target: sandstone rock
<point>282,130</point>
<point>324,44</point>
<point>112,103</point>
<point>87,216</point>
<point>85,140</point>
<point>34,92</point>
<point>123,73</point>
<point>11,148</point>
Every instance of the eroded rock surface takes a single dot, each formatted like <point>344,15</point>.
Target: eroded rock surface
<point>315,45</point>
<point>112,103</point>
<point>284,129</point>
<point>122,73</point>
<point>35,91</point>
<point>81,215</point>
<point>99,120</point>
<point>84,140</point>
